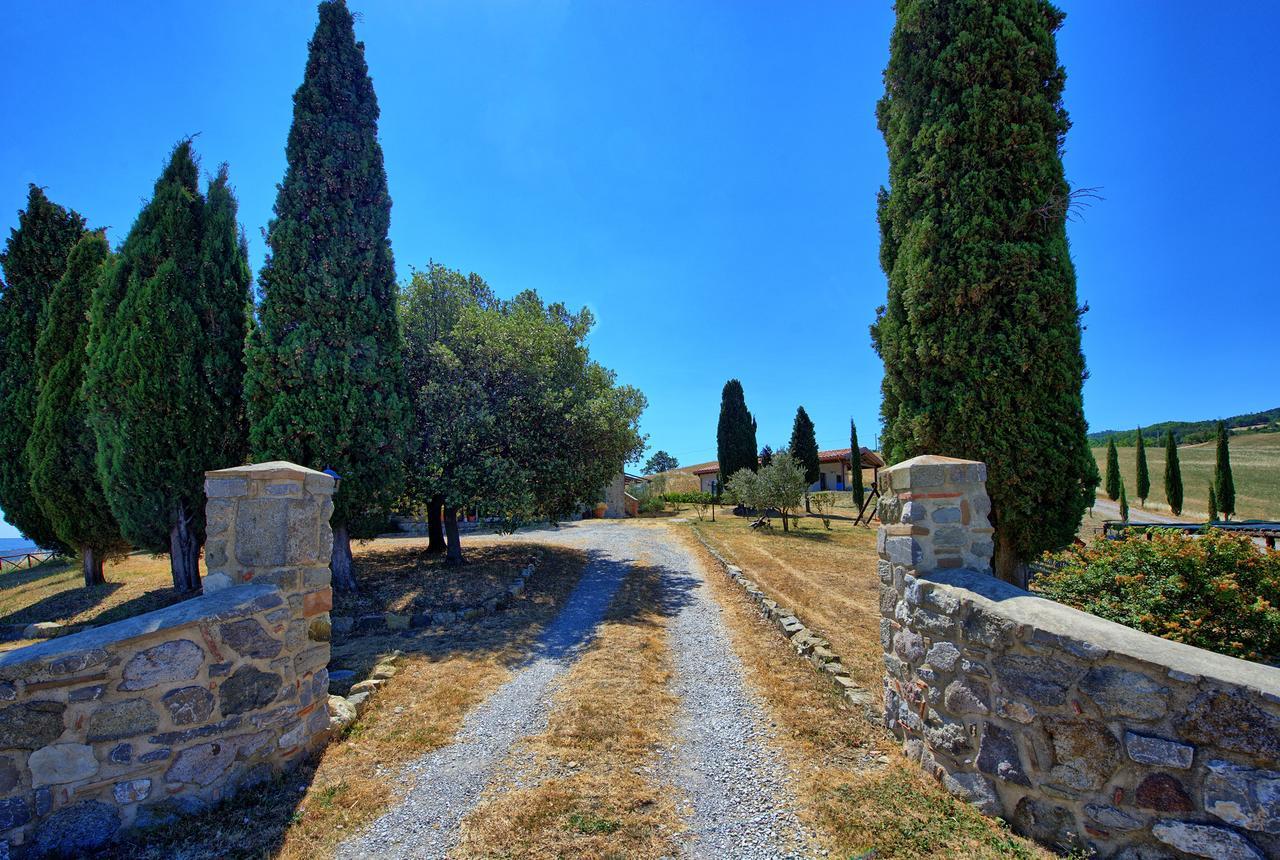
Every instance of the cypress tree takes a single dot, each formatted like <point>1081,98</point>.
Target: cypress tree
<point>1113,471</point>
<point>33,260</point>
<point>1213,504</point>
<point>980,336</point>
<point>325,383</point>
<point>62,450</point>
<point>855,455</point>
<point>766,456</point>
<point>1144,477</point>
<point>804,447</point>
<point>1172,474</point>
<point>735,433</point>
<point>159,347</point>
<point>1223,483</point>
<point>1124,504</point>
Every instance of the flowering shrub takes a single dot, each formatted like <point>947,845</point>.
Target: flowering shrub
<point>1216,591</point>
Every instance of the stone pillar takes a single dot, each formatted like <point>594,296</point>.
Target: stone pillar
<point>269,523</point>
<point>934,515</point>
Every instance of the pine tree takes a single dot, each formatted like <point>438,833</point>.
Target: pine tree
<point>1144,477</point>
<point>325,384</point>
<point>62,450</point>
<point>34,260</point>
<point>1213,504</point>
<point>1223,483</point>
<point>1113,471</point>
<point>804,448</point>
<point>735,433</point>
<point>766,456</point>
<point>1172,474</point>
<point>855,457</point>
<point>160,343</point>
<point>1124,504</point>
<point>980,336</point>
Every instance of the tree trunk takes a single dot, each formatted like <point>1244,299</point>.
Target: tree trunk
<point>1006,563</point>
<point>453,557</point>
<point>92,564</point>
<point>184,553</point>
<point>340,561</point>
<point>435,525</point>
<point>806,504</point>
<point>784,522</point>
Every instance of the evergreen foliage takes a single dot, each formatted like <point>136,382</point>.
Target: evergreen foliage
<point>1172,474</point>
<point>325,384</point>
<point>804,448</point>
<point>1113,471</point>
<point>62,451</point>
<point>735,433</point>
<point>162,351</point>
<point>766,456</point>
<point>980,336</point>
<point>1144,477</point>
<point>33,260</point>
<point>1213,504</point>
<point>1124,504</point>
<point>661,461</point>
<point>1223,484</point>
<point>855,459</point>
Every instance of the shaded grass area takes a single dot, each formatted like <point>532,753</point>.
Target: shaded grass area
<point>442,675</point>
<point>1255,466</point>
<point>860,795</point>
<point>586,787</point>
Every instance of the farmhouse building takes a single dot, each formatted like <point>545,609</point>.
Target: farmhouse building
<point>836,466</point>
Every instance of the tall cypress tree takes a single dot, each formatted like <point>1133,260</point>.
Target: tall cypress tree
<point>1113,471</point>
<point>1213,504</point>
<point>980,335</point>
<point>735,433</point>
<point>62,450</point>
<point>1144,477</point>
<point>325,384</point>
<point>804,447</point>
<point>1172,474</point>
<point>1223,483</point>
<point>33,259</point>
<point>855,455</point>
<point>1124,504</point>
<point>158,354</point>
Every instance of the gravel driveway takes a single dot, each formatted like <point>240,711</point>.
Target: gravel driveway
<point>735,786</point>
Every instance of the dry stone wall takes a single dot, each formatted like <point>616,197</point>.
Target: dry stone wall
<point>135,722</point>
<point>1079,731</point>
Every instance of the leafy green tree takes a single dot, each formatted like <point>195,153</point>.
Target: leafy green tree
<point>62,451</point>
<point>1213,504</point>
<point>661,461</point>
<point>855,467</point>
<point>784,485</point>
<point>744,488</point>
<point>1124,504</point>
<point>1172,474</point>
<point>511,415</point>
<point>1113,471</point>
<point>325,384</point>
<point>735,432</point>
<point>804,448</point>
<point>1223,484</point>
<point>766,456</point>
<point>980,335</point>
<point>1144,477</point>
<point>163,337</point>
<point>33,260</point>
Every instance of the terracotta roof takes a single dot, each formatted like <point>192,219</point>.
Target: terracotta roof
<point>706,468</point>
<point>869,458</point>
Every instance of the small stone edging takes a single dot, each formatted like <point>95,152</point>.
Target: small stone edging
<point>344,710</point>
<point>814,648</point>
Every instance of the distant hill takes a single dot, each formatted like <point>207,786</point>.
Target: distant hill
<point>1192,432</point>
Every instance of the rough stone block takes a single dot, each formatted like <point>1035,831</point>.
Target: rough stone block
<point>61,763</point>
<point>964,696</point>
<point>1226,718</point>
<point>76,830</point>
<point>177,660</point>
<point>217,488</point>
<point>1245,796</point>
<point>201,764</point>
<point>1085,753</point>
<point>1158,751</point>
<point>187,705</point>
<point>1163,793</point>
<point>131,791</point>
<point>249,638</point>
<point>974,788</point>
<point>248,689</point>
<point>1121,693</point>
<point>1042,680</point>
<point>124,719</point>
<point>998,755</point>
<point>1205,840</point>
<point>30,725</point>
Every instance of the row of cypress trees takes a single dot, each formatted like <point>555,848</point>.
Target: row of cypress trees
<point>1222,492</point>
<point>125,375</point>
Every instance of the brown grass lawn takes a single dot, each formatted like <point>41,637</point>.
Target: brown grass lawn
<point>588,790</point>
<point>857,790</point>
<point>442,675</point>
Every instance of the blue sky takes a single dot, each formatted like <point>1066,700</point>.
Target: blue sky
<point>701,175</point>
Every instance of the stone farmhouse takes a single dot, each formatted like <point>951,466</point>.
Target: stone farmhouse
<point>836,465</point>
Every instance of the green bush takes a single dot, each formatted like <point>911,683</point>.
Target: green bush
<point>1216,591</point>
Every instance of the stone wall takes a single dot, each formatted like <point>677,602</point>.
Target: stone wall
<point>135,722</point>
<point>1079,731</point>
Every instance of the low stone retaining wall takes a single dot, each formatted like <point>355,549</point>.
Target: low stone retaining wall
<point>813,647</point>
<point>1080,731</point>
<point>132,723</point>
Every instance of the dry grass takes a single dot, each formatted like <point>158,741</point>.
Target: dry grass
<point>442,676</point>
<point>855,788</point>
<point>587,791</point>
